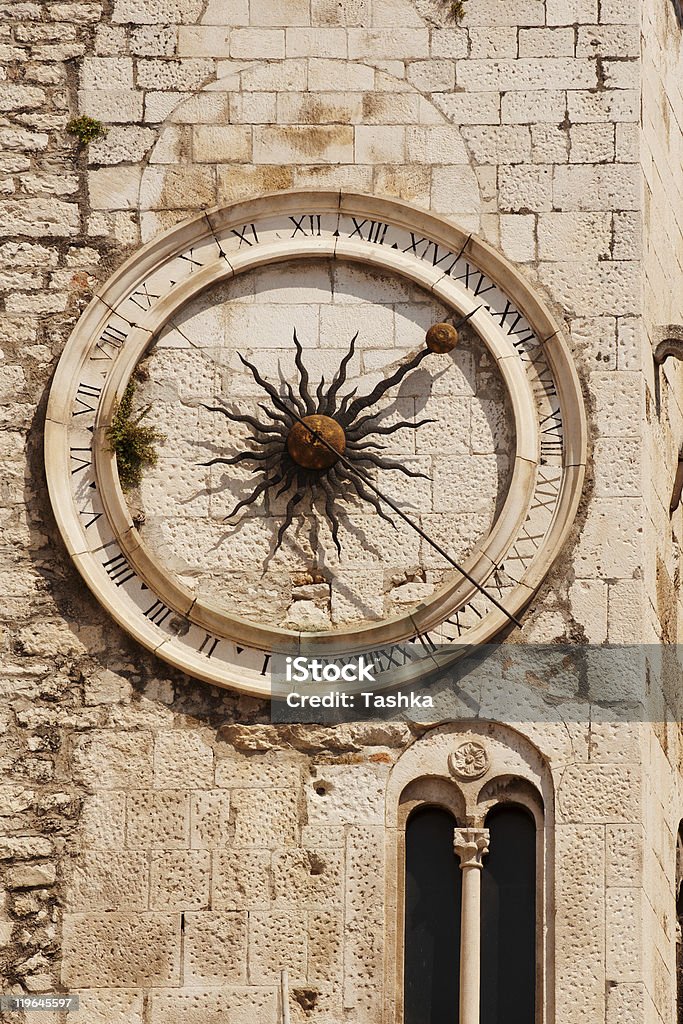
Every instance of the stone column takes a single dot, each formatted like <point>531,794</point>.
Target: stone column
<point>470,844</point>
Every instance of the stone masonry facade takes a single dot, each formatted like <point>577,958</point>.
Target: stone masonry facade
<point>164,849</point>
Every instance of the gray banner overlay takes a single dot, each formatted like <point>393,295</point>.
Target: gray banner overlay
<point>503,683</point>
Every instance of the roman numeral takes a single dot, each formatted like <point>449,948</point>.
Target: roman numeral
<point>475,280</point>
<point>118,570</point>
<point>209,645</point>
<point>430,246</point>
<point>457,618</point>
<point>551,435</point>
<point>242,235</point>
<point>376,231</point>
<point>546,494</point>
<point>84,396</point>
<point>397,655</point>
<point>157,613</point>
<point>543,386</point>
<point>550,447</point>
<point>82,462</point>
<point>525,538</point>
<point>111,338</point>
<point>94,516</point>
<point>144,298</point>
<point>266,663</point>
<point>189,258</point>
<point>307,224</point>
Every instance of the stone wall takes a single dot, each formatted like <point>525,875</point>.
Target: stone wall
<point>164,849</point>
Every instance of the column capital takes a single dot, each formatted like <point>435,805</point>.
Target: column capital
<point>471,845</point>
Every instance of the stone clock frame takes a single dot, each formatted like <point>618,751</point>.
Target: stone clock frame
<point>205,625</point>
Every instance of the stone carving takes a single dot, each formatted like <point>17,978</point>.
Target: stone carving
<point>470,761</point>
<point>471,845</point>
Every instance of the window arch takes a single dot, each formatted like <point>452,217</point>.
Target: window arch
<point>502,898</point>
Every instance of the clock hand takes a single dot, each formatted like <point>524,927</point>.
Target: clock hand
<point>395,508</point>
<point>435,343</point>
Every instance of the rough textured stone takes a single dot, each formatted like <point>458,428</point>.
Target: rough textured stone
<point>121,949</point>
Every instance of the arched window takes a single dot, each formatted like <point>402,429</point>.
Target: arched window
<point>472,949</point>
<point>472,896</point>
<point>508,918</point>
<point>432,919</point>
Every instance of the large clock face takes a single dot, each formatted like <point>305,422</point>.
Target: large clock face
<point>330,477</point>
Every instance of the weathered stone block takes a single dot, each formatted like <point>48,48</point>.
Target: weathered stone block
<point>241,879</point>
<point>303,144</point>
<point>525,188</point>
<point>210,820</point>
<point>308,879</point>
<point>158,820</point>
<point>267,818</point>
<point>203,41</point>
<point>257,773</point>
<point>533,107</point>
<point>182,759</point>
<point>116,106</point>
<point>255,43</point>
<point>107,73</point>
<point>20,847</point>
<point>109,880</point>
<point>215,948</point>
<point>190,73</point>
<point>121,949</point>
<point>39,218</point>
<point>113,760</point>
<point>180,880</point>
<point>346,794</point>
<point>277,940</point>
<point>599,793</point>
<point>381,43</point>
<point>215,1006</point>
<point>30,876</point>
<point>222,144</point>
<point>156,12</point>
<point>489,41</point>
<point>116,188</point>
<point>177,188</point>
<point>124,143</point>
<point>596,188</point>
<point>624,952</point>
<point>112,1006</point>
<point>624,855</point>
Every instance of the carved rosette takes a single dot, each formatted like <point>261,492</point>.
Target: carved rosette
<point>469,762</point>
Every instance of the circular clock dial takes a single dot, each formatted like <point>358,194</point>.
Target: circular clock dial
<point>334,474</point>
<point>265,520</point>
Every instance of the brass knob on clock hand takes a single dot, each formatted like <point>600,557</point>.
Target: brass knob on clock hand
<point>443,337</point>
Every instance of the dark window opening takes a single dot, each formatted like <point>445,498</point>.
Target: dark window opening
<point>508,918</point>
<point>432,920</point>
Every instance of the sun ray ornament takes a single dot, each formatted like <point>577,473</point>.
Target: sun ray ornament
<point>319,444</point>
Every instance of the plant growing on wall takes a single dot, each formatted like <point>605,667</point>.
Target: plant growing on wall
<point>87,129</point>
<point>456,9</point>
<point>133,445</point>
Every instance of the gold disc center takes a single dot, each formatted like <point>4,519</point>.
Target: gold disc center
<point>310,451</point>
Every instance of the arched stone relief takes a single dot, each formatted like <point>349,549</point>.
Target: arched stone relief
<point>266,127</point>
<point>509,754</point>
